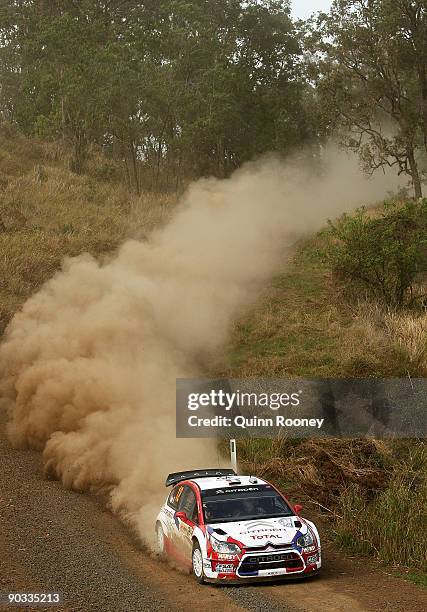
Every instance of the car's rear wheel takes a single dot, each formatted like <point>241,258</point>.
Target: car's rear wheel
<point>160,540</point>
<point>197,563</point>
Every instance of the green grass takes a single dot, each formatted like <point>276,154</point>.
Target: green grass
<point>289,333</point>
<point>391,526</point>
<point>414,577</point>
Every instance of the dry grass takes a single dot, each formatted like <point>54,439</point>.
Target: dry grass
<point>382,342</point>
<point>319,469</point>
<point>300,327</point>
<point>47,213</point>
<point>303,326</point>
<point>410,333</point>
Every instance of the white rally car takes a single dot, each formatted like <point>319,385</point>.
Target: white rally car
<point>228,527</point>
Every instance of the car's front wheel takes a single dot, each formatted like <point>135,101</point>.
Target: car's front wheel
<point>197,563</point>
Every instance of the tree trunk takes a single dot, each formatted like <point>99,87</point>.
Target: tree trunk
<point>135,167</point>
<point>416,181</point>
<point>124,157</point>
<point>159,159</point>
<point>423,80</point>
<point>80,152</point>
<point>62,105</point>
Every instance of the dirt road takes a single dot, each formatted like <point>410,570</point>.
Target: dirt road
<point>56,540</point>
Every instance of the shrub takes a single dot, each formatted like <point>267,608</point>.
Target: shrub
<point>391,527</point>
<point>380,255</point>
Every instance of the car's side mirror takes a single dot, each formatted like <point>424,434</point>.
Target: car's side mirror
<point>181,515</point>
<point>297,508</point>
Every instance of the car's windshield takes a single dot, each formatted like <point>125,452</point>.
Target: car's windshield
<point>242,505</point>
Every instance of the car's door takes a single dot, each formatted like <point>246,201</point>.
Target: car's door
<point>185,526</point>
<point>170,510</point>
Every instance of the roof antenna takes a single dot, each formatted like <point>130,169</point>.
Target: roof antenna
<point>233,455</point>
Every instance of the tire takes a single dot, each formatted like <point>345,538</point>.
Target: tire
<point>197,564</point>
<point>160,540</point>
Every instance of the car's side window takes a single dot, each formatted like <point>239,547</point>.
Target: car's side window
<point>175,496</point>
<point>188,504</point>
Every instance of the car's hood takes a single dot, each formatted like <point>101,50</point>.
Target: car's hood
<point>260,532</point>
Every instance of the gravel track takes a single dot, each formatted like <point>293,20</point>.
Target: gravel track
<point>53,536</point>
<point>56,540</point>
<point>53,539</point>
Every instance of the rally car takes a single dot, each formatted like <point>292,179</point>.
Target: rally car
<point>227,527</point>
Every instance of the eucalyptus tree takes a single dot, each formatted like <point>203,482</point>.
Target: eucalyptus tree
<point>177,89</point>
<point>372,78</point>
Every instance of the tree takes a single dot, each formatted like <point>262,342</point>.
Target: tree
<point>59,63</point>
<point>176,89</point>
<point>372,78</point>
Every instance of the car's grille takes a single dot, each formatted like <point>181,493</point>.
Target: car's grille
<point>268,546</point>
<point>254,563</point>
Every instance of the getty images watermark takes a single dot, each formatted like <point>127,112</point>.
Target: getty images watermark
<point>239,399</point>
<point>381,408</point>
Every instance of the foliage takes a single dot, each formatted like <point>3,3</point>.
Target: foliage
<point>186,87</point>
<point>381,255</point>
<point>368,60</point>
<point>183,88</point>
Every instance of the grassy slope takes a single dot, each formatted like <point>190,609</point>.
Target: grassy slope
<point>294,330</point>
<point>47,213</point>
<point>304,326</point>
<point>360,489</point>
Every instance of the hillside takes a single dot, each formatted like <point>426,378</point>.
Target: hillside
<point>302,325</point>
<point>47,213</point>
<point>305,325</point>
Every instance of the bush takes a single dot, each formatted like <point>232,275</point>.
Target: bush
<point>380,255</point>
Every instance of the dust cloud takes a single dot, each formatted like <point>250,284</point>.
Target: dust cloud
<point>88,367</point>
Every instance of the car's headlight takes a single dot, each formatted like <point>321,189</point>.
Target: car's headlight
<point>224,547</point>
<point>305,540</point>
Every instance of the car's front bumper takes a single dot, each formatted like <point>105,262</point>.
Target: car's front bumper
<point>264,566</point>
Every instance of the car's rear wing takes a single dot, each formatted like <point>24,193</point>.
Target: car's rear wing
<point>179,476</point>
